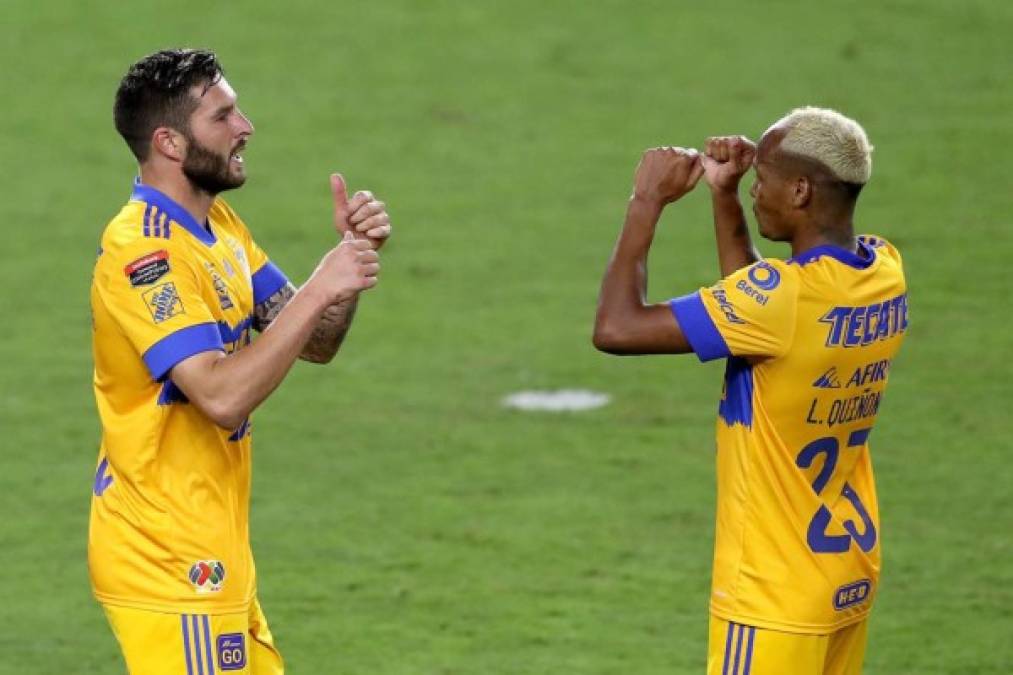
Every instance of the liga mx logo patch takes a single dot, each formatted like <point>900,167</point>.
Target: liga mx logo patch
<point>231,651</point>
<point>207,576</point>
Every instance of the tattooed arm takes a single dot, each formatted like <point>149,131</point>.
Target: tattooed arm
<point>327,334</point>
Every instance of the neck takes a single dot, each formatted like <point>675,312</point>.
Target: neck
<point>178,187</point>
<point>841,237</point>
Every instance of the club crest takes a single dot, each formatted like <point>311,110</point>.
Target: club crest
<point>220,288</point>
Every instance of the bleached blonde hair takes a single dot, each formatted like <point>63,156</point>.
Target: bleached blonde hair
<point>827,136</point>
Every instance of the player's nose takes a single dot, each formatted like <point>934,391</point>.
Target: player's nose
<point>245,125</point>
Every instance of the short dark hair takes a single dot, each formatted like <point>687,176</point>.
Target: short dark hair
<point>155,92</point>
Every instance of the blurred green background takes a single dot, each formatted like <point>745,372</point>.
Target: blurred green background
<point>403,521</point>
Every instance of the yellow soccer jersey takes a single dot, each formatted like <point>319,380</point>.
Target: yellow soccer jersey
<point>809,343</point>
<point>169,515</point>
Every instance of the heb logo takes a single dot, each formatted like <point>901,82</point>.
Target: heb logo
<point>852,594</point>
<point>231,651</point>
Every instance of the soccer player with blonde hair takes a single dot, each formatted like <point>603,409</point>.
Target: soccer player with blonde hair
<point>808,343</point>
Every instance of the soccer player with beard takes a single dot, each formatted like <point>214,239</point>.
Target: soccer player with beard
<point>179,286</point>
<point>808,344</point>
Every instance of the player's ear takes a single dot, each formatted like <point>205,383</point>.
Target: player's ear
<point>801,192</point>
<point>169,143</point>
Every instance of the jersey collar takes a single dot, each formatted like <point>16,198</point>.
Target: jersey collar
<point>149,195</point>
<point>859,261</point>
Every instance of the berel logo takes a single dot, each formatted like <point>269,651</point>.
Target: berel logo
<point>852,594</point>
<point>207,576</point>
<point>231,651</point>
<point>764,276</point>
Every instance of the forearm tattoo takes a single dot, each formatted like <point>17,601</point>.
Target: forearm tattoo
<point>267,311</point>
<point>327,334</point>
<point>330,331</point>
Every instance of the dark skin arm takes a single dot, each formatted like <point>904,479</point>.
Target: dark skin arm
<point>726,159</point>
<point>366,218</point>
<point>625,323</point>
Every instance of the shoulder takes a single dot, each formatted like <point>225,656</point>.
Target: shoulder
<point>766,280</point>
<point>881,246</point>
<point>135,237</point>
<point>223,215</point>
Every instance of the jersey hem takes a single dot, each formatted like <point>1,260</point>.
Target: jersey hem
<point>787,626</point>
<point>174,607</point>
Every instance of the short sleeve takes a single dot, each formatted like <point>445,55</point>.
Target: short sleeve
<point>154,296</point>
<point>748,313</point>
<point>266,277</point>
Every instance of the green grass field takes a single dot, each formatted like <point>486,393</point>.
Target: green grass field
<point>403,521</point>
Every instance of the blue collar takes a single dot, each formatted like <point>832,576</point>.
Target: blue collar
<point>161,201</point>
<point>850,258</point>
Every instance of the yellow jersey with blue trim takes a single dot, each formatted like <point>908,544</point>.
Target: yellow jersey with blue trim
<point>169,527</point>
<point>809,343</point>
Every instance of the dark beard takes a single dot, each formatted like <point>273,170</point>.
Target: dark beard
<point>208,171</point>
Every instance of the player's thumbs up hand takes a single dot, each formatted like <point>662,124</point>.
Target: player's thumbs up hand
<point>363,215</point>
<point>340,194</point>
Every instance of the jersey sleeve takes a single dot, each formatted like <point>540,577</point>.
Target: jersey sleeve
<point>266,277</point>
<point>153,294</point>
<point>751,312</point>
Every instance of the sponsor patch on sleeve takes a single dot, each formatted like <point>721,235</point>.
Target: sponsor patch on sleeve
<point>163,302</point>
<point>148,269</point>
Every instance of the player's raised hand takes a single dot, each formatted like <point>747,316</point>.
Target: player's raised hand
<point>666,174</point>
<point>726,159</point>
<point>347,269</point>
<point>362,215</point>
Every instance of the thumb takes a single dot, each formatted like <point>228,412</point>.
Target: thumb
<point>697,171</point>
<point>339,190</point>
<point>340,193</point>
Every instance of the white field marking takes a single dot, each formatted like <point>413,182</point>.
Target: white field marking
<point>556,401</point>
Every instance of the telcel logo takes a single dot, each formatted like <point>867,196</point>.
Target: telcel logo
<point>852,594</point>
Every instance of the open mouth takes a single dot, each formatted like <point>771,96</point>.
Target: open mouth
<point>236,155</point>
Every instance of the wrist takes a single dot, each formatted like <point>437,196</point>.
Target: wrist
<point>315,296</point>
<point>645,204</point>
<point>725,191</point>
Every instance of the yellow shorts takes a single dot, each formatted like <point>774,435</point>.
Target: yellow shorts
<point>745,650</point>
<point>156,643</point>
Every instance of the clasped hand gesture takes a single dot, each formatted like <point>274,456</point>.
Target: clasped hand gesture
<point>726,159</point>
<point>665,174</point>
